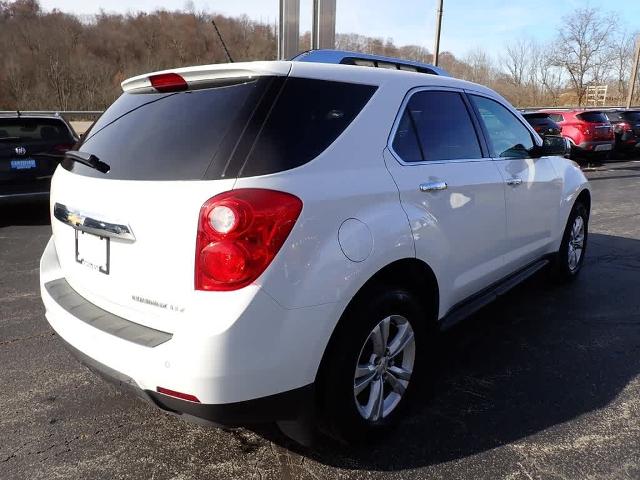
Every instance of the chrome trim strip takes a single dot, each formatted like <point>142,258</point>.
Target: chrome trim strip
<point>85,223</point>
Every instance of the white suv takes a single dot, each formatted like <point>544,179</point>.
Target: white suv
<point>282,241</point>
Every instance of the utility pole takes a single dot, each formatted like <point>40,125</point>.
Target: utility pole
<point>436,47</point>
<point>323,26</point>
<point>634,73</point>
<point>288,29</point>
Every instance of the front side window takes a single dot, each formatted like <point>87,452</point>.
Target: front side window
<point>508,137</point>
<point>436,126</point>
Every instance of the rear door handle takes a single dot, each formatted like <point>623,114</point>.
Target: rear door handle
<point>433,186</point>
<point>514,182</point>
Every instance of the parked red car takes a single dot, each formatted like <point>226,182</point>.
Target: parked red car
<point>589,131</point>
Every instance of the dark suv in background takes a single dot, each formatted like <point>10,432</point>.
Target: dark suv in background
<point>31,147</point>
<point>626,127</point>
<point>542,123</point>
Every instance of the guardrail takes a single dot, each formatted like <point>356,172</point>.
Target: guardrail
<point>62,113</point>
<point>591,107</point>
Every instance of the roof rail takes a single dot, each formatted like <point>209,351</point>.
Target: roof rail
<point>363,59</point>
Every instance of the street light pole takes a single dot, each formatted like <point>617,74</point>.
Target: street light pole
<point>288,29</point>
<point>323,25</point>
<point>634,73</point>
<point>436,47</point>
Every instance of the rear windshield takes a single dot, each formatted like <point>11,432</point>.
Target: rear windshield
<point>538,119</point>
<point>593,117</point>
<point>632,116</point>
<point>251,127</point>
<point>31,130</point>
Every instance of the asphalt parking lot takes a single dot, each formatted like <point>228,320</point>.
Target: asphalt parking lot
<point>543,384</point>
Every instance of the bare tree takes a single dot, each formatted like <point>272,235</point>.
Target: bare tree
<point>516,60</point>
<point>622,57</point>
<point>479,67</point>
<point>583,47</point>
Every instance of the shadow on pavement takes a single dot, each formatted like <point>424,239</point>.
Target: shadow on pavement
<point>540,356</point>
<point>34,212</point>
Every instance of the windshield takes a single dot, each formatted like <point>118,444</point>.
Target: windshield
<point>32,130</point>
<point>166,136</point>
<point>632,116</point>
<point>593,117</point>
<point>254,127</point>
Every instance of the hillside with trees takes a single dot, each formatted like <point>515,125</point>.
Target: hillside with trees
<point>58,61</point>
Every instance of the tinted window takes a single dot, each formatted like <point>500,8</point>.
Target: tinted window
<point>307,117</point>
<point>614,116</point>
<point>632,116</point>
<point>593,117</point>
<point>166,136</point>
<point>221,132</point>
<point>507,135</point>
<point>436,126</point>
<point>29,130</point>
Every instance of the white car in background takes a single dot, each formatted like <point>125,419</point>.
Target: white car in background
<point>282,241</point>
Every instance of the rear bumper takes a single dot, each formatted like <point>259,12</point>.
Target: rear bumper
<point>259,368</point>
<point>283,406</point>
<point>17,191</point>
<point>23,197</point>
<point>596,147</point>
<point>628,146</point>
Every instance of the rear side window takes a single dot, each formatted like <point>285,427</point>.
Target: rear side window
<point>35,130</point>
<point>508,136</point>
<point>307,117</point>
<point>593,117</point>
<point>436,126</point>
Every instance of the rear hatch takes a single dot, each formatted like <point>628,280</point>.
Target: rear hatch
<point>170,149</point>
<point>633,119</point>
<point>30,150</point>
<point>598,125</point>
<point>168,153</point>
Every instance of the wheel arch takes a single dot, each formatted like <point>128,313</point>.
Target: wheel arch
<point>410,273</point>
<point>584,197</point>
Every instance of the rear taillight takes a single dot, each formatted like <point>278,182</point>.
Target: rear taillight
<point>239,234</point>
<point>584,128</point>
<point>625,127</point>
<point>168,82</point>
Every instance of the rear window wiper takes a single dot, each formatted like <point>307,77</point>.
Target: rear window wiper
<point>87,159</point>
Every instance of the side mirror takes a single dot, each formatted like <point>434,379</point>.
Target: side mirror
<point>551,145</point>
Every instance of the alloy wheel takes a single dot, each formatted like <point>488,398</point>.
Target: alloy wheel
<point>384,368</point>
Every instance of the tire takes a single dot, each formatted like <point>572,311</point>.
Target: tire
<point>351,417</point>
<point>568,260</point>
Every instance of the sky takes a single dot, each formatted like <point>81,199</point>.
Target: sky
<point>467,24</point>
